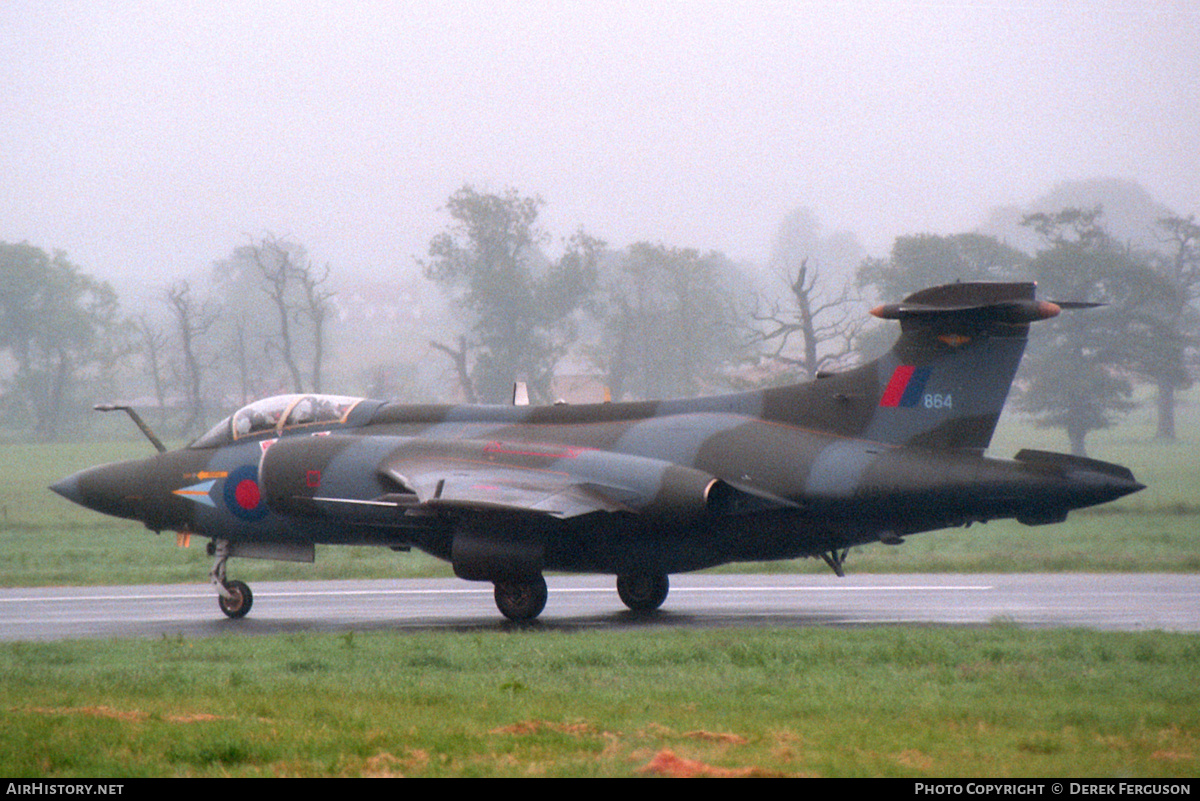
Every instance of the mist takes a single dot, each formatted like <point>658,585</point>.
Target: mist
<point>147,141</point>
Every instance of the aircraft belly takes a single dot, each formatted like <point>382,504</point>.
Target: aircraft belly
<point>619,545</point>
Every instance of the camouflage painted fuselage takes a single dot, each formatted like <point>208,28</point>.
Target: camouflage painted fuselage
<point>505,492</point>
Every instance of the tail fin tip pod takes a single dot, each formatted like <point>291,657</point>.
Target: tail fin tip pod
<point>1011,304</point>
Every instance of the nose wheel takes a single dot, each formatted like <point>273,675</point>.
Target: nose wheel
<point>233,597</point>
<point>239,601</point>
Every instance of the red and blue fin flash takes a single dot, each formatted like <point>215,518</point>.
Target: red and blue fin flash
<point>906,386</point>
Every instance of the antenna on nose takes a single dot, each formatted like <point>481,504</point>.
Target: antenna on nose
<point>137,419</point>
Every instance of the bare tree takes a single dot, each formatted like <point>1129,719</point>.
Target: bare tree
<point>814,330</point>
<point>316,307</point>
<point>461,368</point>
<point>300,297</point>
<point>154,343</point>
<point>274,264</point>
<point>812,327</point>
<point>192,321</point>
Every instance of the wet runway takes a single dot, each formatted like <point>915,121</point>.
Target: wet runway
<point>1127,602</point>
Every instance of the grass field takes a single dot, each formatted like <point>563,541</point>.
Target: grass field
<point>918,702</point>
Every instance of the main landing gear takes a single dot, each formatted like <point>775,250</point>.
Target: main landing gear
<point>521,601</point>
<point>836,561</point>
<point>234,597</point>
<point>643,592</point>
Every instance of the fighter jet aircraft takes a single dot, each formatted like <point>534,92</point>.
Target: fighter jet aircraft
<point>638,490</point>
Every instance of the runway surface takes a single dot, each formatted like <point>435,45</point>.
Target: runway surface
<point>1127,602</point>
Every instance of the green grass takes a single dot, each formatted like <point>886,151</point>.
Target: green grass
<point>995,701</point>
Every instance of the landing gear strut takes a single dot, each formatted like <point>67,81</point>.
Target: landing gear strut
<point>643,592</point>
<point>521,601</point>
<point>234,597</point>
<point>836,560</point>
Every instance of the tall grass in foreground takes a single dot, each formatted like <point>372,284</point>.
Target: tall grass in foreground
<point>906,701</point>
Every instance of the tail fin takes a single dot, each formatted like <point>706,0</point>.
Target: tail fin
<point>944,382</point>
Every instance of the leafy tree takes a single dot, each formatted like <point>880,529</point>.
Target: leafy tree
<point>520,308</point>
<point>670,322</point>
<point>1078,375</point>
<point>926,260</point>
<point>1130,213</point>
<point>1178,263</point>
<point>1151,233</point>
<point>61,328</point>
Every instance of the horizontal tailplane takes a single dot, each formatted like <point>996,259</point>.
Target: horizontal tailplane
<point>978,302</point>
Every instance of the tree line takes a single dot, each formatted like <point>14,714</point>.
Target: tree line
<point>258,327</point>
<point>1080,370</point>
<point>645,321</point>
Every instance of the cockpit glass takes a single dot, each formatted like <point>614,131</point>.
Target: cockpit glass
<point>315,409</point>
<point>217,435</point>
<point>278,413</point>
<point>262,415</point>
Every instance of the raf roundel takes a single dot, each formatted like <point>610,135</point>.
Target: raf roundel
<point>243,496</point>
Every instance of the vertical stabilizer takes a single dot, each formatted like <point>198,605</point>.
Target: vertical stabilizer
<point>945,380</point>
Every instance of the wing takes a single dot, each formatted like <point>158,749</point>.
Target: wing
<point>378,478</point>
<point>496,477</point>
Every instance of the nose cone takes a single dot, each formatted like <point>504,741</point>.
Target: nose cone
<point>68,488</point>
<point>113,489</point>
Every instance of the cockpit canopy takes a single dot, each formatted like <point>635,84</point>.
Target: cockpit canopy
<point>278,413</point>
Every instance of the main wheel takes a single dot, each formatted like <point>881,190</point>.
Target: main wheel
<point>643,592</point>
<point>240,602</point>
<point>521,600</point>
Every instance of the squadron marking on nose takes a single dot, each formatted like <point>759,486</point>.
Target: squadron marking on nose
<point>198,493</point>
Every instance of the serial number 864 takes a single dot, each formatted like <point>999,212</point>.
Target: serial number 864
<point>939,401</point>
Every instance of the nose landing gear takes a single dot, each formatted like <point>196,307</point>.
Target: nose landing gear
<point>233,597</point>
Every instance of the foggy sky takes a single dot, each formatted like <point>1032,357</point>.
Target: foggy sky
<point>149,139</point>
